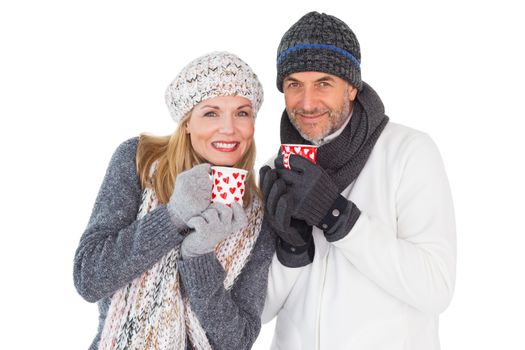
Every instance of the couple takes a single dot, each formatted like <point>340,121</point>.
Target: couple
<point>354,252</point>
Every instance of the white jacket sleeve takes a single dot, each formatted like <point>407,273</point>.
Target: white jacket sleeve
<point>415,261</point>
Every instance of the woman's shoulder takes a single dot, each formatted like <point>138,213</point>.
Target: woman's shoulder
<point>126,152</point>
<point>123,161</point>
<point>128,146</point>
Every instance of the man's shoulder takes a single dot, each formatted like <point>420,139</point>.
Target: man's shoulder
<point>398,142</point>
<point>399,135</point>
<point>395,130</point>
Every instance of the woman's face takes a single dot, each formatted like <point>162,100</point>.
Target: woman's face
<point>221,129</point>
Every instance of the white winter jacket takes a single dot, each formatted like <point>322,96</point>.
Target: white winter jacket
<point>383,286</point>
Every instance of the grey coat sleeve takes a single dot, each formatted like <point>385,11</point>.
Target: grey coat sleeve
<point>231,319</point>
<point>116,247</point>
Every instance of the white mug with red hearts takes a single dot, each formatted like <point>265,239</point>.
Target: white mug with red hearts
<point>228,185</point>
<point>307,151</point>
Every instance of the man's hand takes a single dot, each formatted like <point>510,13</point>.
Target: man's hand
<point>310,192</point>
<point>279,209</point>
<point>295,243</point>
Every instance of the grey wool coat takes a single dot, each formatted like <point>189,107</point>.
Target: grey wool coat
<point>116,248</point>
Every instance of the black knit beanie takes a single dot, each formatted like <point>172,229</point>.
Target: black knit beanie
<point>319,43</point>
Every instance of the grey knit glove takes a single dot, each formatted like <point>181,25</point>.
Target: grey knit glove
<point>212,226</point>
<point>191,195</point>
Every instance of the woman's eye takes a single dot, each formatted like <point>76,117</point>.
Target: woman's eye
<point>243,114</point>
<point>210,114</point>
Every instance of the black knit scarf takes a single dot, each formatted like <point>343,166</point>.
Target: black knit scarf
<point>344,157</point>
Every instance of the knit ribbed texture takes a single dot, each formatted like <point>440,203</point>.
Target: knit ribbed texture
<point>201,271</point>
<point>212,75</point>
<point>319,43</point>
<point>321,198</point>
<point>161,224</point>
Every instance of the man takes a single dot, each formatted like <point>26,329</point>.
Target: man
<point>366,237</point>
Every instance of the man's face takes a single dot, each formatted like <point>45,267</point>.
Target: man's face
<point>317,103</point>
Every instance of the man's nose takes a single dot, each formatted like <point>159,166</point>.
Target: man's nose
<point>309,100</point>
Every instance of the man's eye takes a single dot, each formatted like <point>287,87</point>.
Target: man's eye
<point>293,85</point>
<point>324,84</point>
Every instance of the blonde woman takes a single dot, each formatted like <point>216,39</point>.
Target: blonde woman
<point>168,269</point>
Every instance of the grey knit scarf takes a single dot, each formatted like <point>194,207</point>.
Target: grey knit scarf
<point>344,157</point>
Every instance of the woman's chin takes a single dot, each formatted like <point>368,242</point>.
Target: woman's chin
<point>223,161</point>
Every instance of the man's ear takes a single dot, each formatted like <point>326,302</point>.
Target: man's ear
<point>352,92</point>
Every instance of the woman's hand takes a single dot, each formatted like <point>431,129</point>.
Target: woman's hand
<point>192,193</point>
<point>212,226</point>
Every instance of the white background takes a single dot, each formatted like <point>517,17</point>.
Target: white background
<point>77,78</point>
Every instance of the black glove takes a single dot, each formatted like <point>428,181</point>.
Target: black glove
<point>311,193</point>
<point>294,256</point>
<point>295,245</point>
<point>278,208</point>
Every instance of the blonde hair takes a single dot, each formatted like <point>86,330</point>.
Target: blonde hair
<point>175,154</point>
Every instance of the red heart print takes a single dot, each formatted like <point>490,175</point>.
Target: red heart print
<point>235,175</point>
<point>226,179</point>
<point>236,199</point>
<point>217,181</point>
<point>213,171</point>
<point>219,174</point>
<point>229,205</point>
<point>242,190</point>
<point>232,190</point>
<point>223,195</point>
<point>219,188</point>
<point>286,161</point>
<point>213,195</point>
<point>242,177</point>
<point>239,184</point>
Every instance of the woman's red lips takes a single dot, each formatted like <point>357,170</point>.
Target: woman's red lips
<point>225,146</point>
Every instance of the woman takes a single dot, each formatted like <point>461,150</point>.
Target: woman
<point>168,269</point>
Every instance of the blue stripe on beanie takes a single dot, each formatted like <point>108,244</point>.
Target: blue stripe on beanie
<point>319,46</point>
<point>318,42</point>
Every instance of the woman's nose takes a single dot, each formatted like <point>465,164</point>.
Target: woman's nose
<point>227,125</point>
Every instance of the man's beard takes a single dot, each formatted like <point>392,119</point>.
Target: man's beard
<point>336,119</point>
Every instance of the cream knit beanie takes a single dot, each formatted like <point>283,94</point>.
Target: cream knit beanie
<point>214,74</point>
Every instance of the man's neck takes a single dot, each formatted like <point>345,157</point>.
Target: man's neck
<point>333,135</point>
